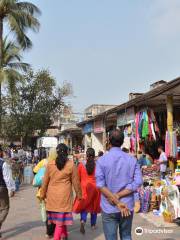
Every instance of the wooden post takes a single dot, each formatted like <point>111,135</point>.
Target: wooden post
<point>170,123</point>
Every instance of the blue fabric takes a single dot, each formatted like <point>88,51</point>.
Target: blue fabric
<point>93,218</point>
<point>111,223</point>
<point>38,179</point>
<point>142,162</point>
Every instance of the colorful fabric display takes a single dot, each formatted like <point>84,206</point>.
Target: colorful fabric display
<point>146,125</point>
<point>171,144</point>
<point>145,130</point>
<point>150,173</point>
<point>145,196</point>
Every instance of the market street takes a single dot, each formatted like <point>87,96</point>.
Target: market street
<point>24,222</point>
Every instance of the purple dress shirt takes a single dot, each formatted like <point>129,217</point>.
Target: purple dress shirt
<point>117,171</point>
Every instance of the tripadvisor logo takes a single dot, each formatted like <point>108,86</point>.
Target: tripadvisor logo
<point>139,231</point>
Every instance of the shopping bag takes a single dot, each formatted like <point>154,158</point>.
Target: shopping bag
<point>38,179</point>
<point>43,211</point>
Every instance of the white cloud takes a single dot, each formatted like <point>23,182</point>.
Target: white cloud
<point>165,18</point>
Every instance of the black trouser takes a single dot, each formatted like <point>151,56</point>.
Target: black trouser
<point>50,228</point>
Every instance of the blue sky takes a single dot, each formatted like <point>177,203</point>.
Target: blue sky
<point>107,48</point>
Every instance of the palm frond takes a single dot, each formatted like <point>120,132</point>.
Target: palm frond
<point>22,39</point>
<point>29,7</point>
<point>21,16</point>
<point>19,66</point>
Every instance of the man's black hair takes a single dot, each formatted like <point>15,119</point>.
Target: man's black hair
<point>161,147</point>
<point>116,138</point>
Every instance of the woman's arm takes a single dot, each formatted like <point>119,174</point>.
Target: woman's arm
<point>76,182</point>
<point>45,184</point>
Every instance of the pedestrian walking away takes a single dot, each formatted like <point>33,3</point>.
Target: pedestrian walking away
<point>50,227</point>
<point>60,175</point>
<point>7,188</point>
<point>118,176</point>
<point>90,202</point>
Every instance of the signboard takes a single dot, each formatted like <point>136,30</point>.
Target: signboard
<point>125,117</point>
<point>88,128</point>
<point>98,126</point>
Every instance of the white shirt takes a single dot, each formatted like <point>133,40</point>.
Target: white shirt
<point>7,175</point>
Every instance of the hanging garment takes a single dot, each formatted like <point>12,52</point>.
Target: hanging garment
<point>137,130</point>
<point>152,130</point>
<point>167,145</point>
<point>154,121</point>
<point>127,143</point>
<point>145,129</point>
<point>149,125</point>
<point>133,144</point>
<point>171,144</point>
<point>140,127</point>
<point>174,144</point>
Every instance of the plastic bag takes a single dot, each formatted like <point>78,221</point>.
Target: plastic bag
<point>38,179</point>
<point>43,211</point>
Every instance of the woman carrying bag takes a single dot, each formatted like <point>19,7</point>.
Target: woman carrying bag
<point>61,175</point>
<point>39,170</point>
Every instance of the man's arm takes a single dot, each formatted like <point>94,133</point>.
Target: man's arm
<point>134,185</point>
<point>7,175</point>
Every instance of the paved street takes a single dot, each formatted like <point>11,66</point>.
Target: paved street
<point>24,223</point>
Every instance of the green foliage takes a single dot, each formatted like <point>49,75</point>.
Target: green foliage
<point>33,104</point>
<point>20,16</point>
<point>12,65</point>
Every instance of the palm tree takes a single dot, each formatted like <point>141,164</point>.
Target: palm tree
<point>12,67</point>
<point>20,17</point>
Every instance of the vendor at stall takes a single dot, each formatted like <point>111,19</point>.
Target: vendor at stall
<point>162,162</point>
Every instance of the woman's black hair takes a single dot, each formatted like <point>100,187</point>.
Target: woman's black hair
<point>90,164</point>
<point>100,153</point>
<point>62,151</point>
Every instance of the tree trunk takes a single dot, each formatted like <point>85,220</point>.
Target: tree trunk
<point>1,49</point>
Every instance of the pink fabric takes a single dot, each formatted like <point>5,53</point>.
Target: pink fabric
<point>167,144</point>
<point>60,231</point>
<point>137,124</point>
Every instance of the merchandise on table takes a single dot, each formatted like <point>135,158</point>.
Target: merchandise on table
<point>150,173</point>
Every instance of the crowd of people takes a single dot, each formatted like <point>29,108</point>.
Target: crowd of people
<point>106,184</point>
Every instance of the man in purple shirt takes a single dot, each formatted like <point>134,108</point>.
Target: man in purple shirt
<point>118,176</point>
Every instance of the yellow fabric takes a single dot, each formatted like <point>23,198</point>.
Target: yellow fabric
<point>39,165</point>
<point>52,156</point>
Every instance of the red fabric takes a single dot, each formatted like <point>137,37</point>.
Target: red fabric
<point>60,231</point>
<point>90,201</point>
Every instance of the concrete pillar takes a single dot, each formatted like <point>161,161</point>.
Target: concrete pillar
<point>170,122</point>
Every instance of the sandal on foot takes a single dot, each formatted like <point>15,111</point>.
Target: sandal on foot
<point>82,228</point>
